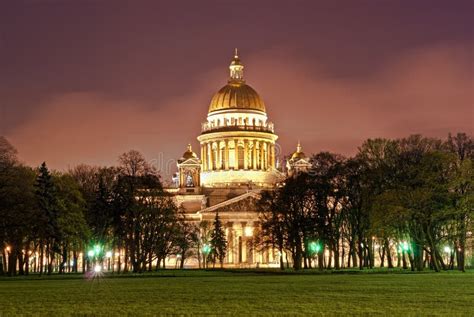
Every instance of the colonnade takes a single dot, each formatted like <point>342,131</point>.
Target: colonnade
<point>239,235</point>
<point>237,154</point>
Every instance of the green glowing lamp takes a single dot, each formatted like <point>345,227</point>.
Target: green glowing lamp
<point>405,246</point>
<point>314,247</point>
<point>206,249</point>
<point>90,253</point>
<point>97,249</point>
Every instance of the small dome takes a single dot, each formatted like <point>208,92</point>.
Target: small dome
<point>236,95</point>
<point>299,154</point>
<point>189,153</point>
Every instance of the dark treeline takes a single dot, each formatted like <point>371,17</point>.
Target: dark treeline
<point>397,203</point>
<point>408,200</point>
<point>52,222</point>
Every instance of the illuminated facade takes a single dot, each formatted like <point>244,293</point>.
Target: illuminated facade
<point>237,160</point>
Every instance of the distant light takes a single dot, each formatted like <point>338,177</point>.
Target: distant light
<point>314,247</point>
<point>90,253</point>
<point>447,249</point>
<point>248,231</point>
<point>108,254</point>
<point>8,248</point>
<point>206,249</point>
<point>405,246</point>
<point>97,249</point>
<point>97,268</point>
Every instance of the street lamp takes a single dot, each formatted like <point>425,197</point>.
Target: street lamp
<point>314,247</point>
<point>206,249</point>
<point>97,249</point>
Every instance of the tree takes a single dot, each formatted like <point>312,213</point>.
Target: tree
<point>72,224</point>
<point>18,217</point>
<point>327,179</point>
<point>48,228</point>
<point>145,216</point>
<point>462,146</point>
<point>273,233</point>
<point>218,241</point>
<point>185,240</point>
<point>8,154</point>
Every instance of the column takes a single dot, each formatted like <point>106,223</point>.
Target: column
<point>203,158</point>
<point>254,151</point>
<point>272,153</point>
<point>230,242</point>
<point>265,155</point>
<point>218,155</point>
<point>209,156</point>
<point>262,157</point>
<point>243,250</point>
<point>226,155</point>
<point>246,154</point>
<point>236,154</point>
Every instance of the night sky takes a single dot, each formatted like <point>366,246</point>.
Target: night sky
<point>84,81</point>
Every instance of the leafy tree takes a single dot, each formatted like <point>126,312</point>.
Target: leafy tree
<point>462,146</point>
<point>17,217</point>
<point>145,216</point>
<point>72,225</point>
<point>186,239</point>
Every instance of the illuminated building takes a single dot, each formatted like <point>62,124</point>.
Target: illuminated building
<point>237,160</point>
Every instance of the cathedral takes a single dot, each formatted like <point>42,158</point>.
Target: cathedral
<point>237,160</point>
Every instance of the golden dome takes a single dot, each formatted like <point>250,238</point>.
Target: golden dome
<point>299,154</point>
<point>236,94</point>
<point>189,153</point>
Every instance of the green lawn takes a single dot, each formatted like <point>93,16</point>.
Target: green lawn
<point>241,293</point>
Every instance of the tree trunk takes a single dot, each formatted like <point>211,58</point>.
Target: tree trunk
<point>389,254</point>
<point>12,259</point>
<point>41,263</point>
<point>282,263</point>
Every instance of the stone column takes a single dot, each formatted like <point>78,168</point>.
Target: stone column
<point>244,243</point>
<point>230,242</point>
<point>254,151</point>
<point>236,154</point>
<point>226,155</point>
<point>262,157</point>
<point>203,157</point>
<point>218,155</point>
<point>265,155</point>
<point>209,156</point>
<point>272,153</point>
<point>246,154</point>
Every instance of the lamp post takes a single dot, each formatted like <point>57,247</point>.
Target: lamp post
<point>314,248</point>
<point>206,249</point>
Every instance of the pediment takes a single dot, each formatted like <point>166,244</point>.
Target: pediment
<point>244,202</point>
<point>190,162</point>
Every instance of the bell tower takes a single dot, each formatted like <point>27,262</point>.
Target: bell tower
<point>189,171</point>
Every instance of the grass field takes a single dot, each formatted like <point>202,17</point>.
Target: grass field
<point>239,293</point>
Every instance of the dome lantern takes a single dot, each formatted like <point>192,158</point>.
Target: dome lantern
<point>236,69</point>
<point>236,94</point>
